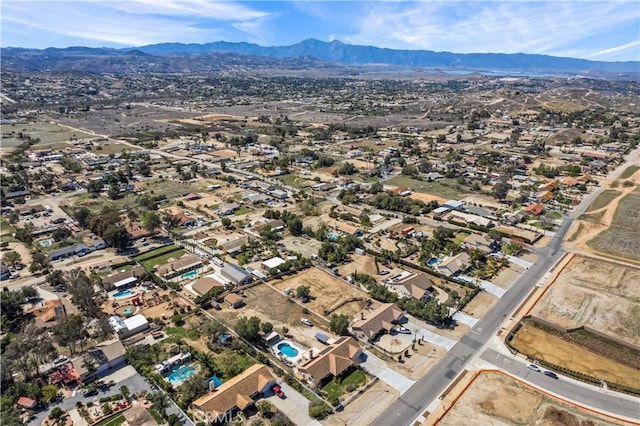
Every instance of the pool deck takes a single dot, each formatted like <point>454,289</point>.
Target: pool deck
<point>293,360</point>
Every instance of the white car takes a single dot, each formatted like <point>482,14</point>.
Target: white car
<point>533,367</point>
<point>403,330</point>
<point>306,321</point>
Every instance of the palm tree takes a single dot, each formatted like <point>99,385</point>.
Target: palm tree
<point>89,364</point>
<point>160,402</point>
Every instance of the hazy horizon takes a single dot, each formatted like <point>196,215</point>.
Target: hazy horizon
<point>594,30</point>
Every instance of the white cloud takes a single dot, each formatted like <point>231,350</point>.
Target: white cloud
<point>482,26</point>
<point>132,22</point>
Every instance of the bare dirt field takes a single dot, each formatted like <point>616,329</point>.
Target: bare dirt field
<point>611,225</point>
<point>535,342</point>
<point>269,305</point>
<point>599,294</point>
<point>427,197</point>
<point>366,408</point>
<point>480,304</point>
<point>362,264</point>
<point>496,399</point>
<point>327,292</point>
<point>507,276</point>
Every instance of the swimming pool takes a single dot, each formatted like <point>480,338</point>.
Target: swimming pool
<point>180,373</point>
<point>215,379</point>
<point>188,275</point>
<point>332,236</point>
<point>122,294</point>
<point>288,350</point>
<point>46,243</point>
<point>433,261</point>
<point>127,311</point>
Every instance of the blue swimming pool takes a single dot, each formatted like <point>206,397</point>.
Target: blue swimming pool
<point>433,261</point>
<point>123,294</point>
<point>127,311</point>
<point>46,243</point>
<point>180,373</point>
<point>333,236</point>
<point>288,350</point>
<point>188,275</point>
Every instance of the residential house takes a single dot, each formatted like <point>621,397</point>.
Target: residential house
<point>17,194</point>
<point>49,314</point>
<point>138,415</point>
<point>279,194</point>
<point>186,263</point>
<point>403,191</point>
<point>333,361</point>
<point>272,263</point>
<point>418,286</point>
<point>27,403</point>
<point>185,221</point>
<point>324,187</point>
<point>381,320</point>
<point>455,264</point>
<point>480,242</point>
<point>234,245</point>
<point>347,228</point>
<point>192,196</point>
<point>227,209</point>
<point>534,209</point>
<point>238,393</point>
<point>470,219</point>
<point>204,285</point>
<point>124,279</point>
<point>77,249</point>
<point>104,356</point>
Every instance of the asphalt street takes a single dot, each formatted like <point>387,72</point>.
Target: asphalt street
<point>415,401</point>
<point>589,396</point>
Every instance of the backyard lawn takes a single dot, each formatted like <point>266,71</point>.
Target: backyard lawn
<point>349,383</point>
<point>112,421</point>
<point>156,257</point>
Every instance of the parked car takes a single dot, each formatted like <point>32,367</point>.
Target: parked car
<point>550,374</point>
<point>277,390</point>
<point>384,272</point>
<point>533,367</point>
<point>403,330</point>
<point>306,321</point>
<point>90,392</point>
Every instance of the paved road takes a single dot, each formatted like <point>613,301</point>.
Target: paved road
<point>415,401</point>
<point>580,393</point>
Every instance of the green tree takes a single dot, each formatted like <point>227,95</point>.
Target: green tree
<point>70,332</point>
<point>339,324</point>
<point>11,257</point>
<point>294,224</point>
<point>49,393</point>
<point>266,327</point>
<point>117,236</point>
<point>265,408</point>
<point>126,393</point>
<point>303,292</point>
<point>151,221</point>
<point>248,328</point>
<point>229,363</point>
<point>94,187</point>
<point>57,413</point>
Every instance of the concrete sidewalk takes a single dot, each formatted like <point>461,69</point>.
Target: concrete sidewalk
<point>487,286</point>
<point>377,367</point>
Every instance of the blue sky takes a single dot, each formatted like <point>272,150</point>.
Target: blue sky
<point>597,30</point>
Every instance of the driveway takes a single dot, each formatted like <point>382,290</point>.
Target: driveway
<point>465,319</point>
<point>125,376</point>
<point>487,286</point>
<point>374,365</point>
<point>430,336</point>
<point>519,262</point>
<point>294,405</point>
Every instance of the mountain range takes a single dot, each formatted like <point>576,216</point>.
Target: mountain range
<point>184,57</point>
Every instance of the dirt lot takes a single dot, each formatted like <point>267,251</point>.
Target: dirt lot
<point>480,304</point>
<point>366,408</point>
<point>363,264</point>
<point>538,343</point>
<point>507,276</point>
<point>495,399</point>
<point>602,295</point>
<point>611,225</point>
<point>326,292</point>
<point>270,305</point>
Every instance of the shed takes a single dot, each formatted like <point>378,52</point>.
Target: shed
<point>27,403</point>
<point>234,300</point>
<point>454,204</point>
<point>236,274</point>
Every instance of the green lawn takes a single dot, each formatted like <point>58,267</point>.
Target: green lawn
<point>46,132</point>
<point>460,236</point>
<point>446,188</point>
<point>181,332</point>
<point>116,420</point>
<point>242,210</point>
<point>295,181</point>
<point>336,390</point>
<point>156,257</point>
